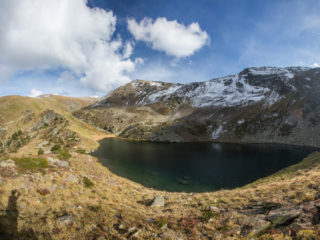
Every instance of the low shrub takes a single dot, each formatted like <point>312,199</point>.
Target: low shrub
<point>95,208</point>
<point>55,148</point>
<point>87,182</point>
<point>162,222</point>
<point>40,151</point>
<point>306,235</point>
<point>64,154</point>
<point>207,215</point>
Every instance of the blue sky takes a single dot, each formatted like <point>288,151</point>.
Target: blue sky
<point>232,35</point>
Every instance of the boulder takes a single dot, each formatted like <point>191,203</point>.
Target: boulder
<point>284,215</point>
<point>158,202</point>
<point>57,162</point>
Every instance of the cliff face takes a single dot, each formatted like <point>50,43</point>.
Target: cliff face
<point>267,104</point>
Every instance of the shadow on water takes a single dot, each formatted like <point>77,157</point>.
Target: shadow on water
<point>9,221</point>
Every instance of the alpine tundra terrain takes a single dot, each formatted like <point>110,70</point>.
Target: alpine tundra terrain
<point>258,105</point>
<point>51,188</point>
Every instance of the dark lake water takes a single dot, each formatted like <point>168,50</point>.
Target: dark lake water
<point>195,167</point>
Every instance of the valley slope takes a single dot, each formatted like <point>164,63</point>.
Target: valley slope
<point>257,105</point>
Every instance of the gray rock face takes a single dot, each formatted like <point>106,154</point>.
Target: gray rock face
<point>283,215</point>
<point>257,105</point>
<point>158,202</point>
<point>48,117</point>
<point>57,162</point>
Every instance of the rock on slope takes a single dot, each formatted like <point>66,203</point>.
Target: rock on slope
<point>266,104</point>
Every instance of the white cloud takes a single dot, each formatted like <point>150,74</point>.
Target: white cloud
<point>174,38</point>
<point>139,60</point>
<point>44,34</point>
<point>35,93</point>
<point>316,65</point>
<point>128,49</point>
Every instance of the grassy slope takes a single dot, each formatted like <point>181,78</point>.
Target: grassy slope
<point>13,108</point>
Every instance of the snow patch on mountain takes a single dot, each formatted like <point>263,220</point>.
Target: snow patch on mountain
<point>162,95</point>
<point>223,92</point>
<point>241,89</point>
<point>228,91</point>
<point>216,133</point>
<point>285,72</point>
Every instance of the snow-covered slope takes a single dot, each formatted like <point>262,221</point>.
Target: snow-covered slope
<point>250,86</point>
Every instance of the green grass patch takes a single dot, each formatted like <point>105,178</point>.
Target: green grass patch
<point>3,158</point>
<point>56,148</point>
<point>87,182</point>
<point>208,214</point>
<point>40,151</point>
<point>279,220</point>
<point>31,164</point>
<point>81,151</point>
<point>162,222</point>
<point>64,154</point>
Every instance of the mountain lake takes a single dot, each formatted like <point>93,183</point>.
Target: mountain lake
<point>196,167</point>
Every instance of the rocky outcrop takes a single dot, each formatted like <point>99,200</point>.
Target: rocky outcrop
<point>257,105</point>
<point>48,117</point>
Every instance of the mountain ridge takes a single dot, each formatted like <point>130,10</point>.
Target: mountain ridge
<point>264,105</point>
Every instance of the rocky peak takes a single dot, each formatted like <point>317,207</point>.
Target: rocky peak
<point>250,86</point>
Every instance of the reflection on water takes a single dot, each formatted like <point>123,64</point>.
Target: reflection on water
<point>195,167</point>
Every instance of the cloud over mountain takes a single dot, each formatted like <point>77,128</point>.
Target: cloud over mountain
<point>174,38</point>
